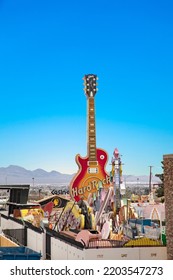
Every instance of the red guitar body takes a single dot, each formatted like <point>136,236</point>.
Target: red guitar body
<point>90,178</point>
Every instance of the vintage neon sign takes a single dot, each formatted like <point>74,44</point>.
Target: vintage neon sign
<point>91,185</point>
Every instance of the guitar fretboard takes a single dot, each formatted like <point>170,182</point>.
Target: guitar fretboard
<point>91,131</point>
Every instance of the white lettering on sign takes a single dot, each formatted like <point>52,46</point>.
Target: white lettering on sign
<point>92,186</point>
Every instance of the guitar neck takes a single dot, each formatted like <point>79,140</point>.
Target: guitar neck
<point>91,131</point>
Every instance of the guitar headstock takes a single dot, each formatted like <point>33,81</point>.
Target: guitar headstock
<point>90,85</point>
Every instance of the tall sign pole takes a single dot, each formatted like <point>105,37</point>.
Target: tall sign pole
<point>150,176</point>
<point>117,178</point>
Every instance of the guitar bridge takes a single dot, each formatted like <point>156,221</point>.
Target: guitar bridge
<point>92,170</point>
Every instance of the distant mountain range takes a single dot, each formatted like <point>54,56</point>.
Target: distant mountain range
<point>18,175</point>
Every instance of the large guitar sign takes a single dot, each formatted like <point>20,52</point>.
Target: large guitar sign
<point>91,176</point>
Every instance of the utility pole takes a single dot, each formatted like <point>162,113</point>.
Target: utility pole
<point>33,182</point>
<point>150,176</point>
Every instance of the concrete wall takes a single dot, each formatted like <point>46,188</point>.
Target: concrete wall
<point>153,253</point>
<point>10,224</point>
<point>36,242</point>
<point>112,254</point>
<point>61,250</point>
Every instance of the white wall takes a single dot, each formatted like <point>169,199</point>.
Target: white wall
<point>61,250</point>
<point>36,242</point>
<point>74,254</point>
<point>112,254</point>
<point>153,253</point>
<point>10,224</point>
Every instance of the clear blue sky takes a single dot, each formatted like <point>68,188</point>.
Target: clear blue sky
<point>46,47</point>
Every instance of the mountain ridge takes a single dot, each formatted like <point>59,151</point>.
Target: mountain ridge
<point>14,174</point>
